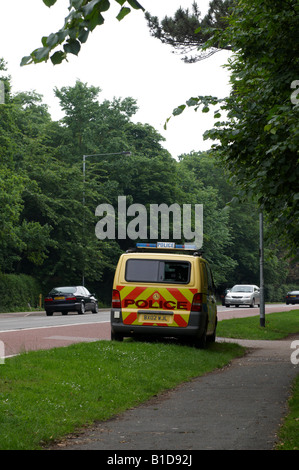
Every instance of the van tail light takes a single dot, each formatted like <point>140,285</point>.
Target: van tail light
<point>116,299</point>
<point>197,303</point>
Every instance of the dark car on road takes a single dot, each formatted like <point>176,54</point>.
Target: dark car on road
<point>292,297</point>
<point>70,299</point>
<point>222,296</point>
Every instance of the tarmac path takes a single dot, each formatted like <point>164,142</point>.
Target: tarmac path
<point>237,408</point>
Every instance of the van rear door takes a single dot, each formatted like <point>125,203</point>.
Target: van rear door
<point>156,292</point>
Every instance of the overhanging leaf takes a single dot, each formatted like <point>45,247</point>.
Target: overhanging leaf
<point>26,60</point>
<point>87,9</point>
<point>83,35</point>
<point>136,5</point>
<point>177,111</point>
<point>49,3</point>
<point>72,46</point>
<point>104,5</point>
<point>77,3</point>
<point>58,57</point>
<point>123,12</point>
<point>192,102</point>
<point>52,40</point>
<point>41,54</point>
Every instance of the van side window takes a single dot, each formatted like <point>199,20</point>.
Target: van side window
<point>205,274</point>
<point>211,286</point>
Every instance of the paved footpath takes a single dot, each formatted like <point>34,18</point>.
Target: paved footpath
<point>239,407</point>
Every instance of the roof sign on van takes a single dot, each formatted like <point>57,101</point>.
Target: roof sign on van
<point>166,245</point>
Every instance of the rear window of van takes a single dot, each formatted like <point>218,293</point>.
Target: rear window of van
<point>151,270</point>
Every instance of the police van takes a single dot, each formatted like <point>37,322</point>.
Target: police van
<point>164,290</point>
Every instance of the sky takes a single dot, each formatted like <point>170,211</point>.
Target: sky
<point>123,60</point>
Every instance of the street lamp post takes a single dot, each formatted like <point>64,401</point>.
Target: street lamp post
<point>262,286</point>
<point>84,160</point>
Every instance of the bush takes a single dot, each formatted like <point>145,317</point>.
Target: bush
<point>278,293</point>
<point>18,292</point>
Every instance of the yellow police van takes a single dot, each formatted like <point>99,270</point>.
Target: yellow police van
<point>164,290</point>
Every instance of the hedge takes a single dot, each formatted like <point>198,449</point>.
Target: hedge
<point>18,292</point>
<point>278,293</point>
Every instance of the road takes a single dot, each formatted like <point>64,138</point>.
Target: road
<point>20,332</point>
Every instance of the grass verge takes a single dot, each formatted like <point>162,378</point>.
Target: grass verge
<point>277,326</point>
<point>45,395</point>
<point>289,433</point>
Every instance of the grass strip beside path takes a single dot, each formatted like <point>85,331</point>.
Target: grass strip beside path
<point>45,395</point>
<point>289,432</point>
<point>277,326</point>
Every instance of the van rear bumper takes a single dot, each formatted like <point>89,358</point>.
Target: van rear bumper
<point>195,328</point>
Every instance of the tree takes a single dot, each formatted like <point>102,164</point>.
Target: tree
<point>198,186</point>
<point>11,204</point>
<point>80,104</point>
<point>231,230</point>
<point>187,32</point>
<point>259,134</point>
<point>22,121</point>
<point>91,127</point>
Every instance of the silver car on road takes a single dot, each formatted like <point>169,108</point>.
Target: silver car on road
<point>247,294</point>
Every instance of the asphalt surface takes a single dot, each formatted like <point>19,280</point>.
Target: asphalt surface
<point>27,331</point>
<point>240,407</point>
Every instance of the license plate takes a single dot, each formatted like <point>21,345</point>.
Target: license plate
<point>59,298</point>
<point>155,318</point>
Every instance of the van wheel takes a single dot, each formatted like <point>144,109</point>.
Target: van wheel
<point>116,336</point>
<point>212,338</point>
<point>201,342</point>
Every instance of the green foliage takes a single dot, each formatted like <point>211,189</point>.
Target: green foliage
<point>259,135</point>
<point>187,31</point>
<point>18,292</point>
<point>199,183</point>
<point>18,238</point>
<point>84,16</point>
<point>277,326</point>
<point>289,431</point>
